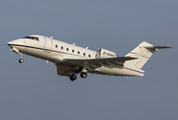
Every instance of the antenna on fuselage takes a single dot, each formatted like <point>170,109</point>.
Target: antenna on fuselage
<point>86,48</point>
<point>73,44</point>
<point>51,37</point>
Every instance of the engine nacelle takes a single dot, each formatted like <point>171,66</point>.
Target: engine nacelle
<point>103,53</point>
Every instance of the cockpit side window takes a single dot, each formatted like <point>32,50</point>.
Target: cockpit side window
<point>32,38</point>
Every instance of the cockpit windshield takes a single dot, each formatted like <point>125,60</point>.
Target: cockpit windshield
<point>31,37</point>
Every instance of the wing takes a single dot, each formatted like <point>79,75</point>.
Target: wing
<point>92,64</point>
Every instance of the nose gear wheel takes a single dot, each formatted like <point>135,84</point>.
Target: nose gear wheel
<point>21,60</point>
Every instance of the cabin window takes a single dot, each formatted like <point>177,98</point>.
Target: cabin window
<point>61,47</point>
<point>78,52</point>
<point>32,38</point>
<point>73,51</point>
<point>56,46</point>
<point>89,55</point>
<point>83,54</point>
<point>67,49</point>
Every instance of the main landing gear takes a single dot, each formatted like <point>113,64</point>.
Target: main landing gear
<point>21,59</point>
<point>74,77</point>
<point>83,74</point>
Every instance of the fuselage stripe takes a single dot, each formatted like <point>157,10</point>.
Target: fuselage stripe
<point>45,49</point>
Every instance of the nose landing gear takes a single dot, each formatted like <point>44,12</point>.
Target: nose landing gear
<point>21,60</point>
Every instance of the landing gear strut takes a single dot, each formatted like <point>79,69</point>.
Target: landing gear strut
<point>21,59</point>
<point>83,74</point>
<point>73,77</point>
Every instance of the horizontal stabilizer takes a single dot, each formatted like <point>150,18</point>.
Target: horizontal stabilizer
<point>156,47</point>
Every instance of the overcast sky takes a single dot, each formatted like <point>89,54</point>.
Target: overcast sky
<point>34,91</point>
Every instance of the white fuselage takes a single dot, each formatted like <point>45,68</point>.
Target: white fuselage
<point>56,51</point>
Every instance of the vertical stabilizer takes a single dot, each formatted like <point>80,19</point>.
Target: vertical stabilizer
<point>143,52</point>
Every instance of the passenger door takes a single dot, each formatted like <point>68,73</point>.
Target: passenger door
<point>48,44</point>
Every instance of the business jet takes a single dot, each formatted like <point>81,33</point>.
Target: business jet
<point>71,60</point>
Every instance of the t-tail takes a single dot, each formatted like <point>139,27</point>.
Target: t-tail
<point>142,52</point>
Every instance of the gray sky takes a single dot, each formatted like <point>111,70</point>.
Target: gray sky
<point>33,90</point>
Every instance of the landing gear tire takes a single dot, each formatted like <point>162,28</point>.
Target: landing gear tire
<point>83,74</point>
<point>21,60</point>
<point>73,77</point>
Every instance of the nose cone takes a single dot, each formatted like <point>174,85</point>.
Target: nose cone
<point>14,42</point>
<point>10,43</point>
